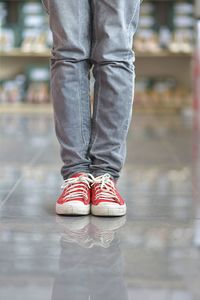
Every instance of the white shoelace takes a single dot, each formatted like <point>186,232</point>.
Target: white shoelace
<point>107,189</point>
<point>78,183</point>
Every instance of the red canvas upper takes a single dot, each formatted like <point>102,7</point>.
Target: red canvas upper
<point>105,192</point>
<point>76,188</point>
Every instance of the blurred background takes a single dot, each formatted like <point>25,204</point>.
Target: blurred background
<point>154,252</point>
<point>164,46</point>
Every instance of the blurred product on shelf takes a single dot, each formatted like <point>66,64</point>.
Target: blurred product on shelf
<point>174,35</point>
<point>34,27</point>
<point>38,84</point>
<point>33,41</point>
<point>32,87</point>
<point>12,90</point>
<point>146,37</point>
<point>161,93</point>
<point>31,32</point>
<point>183,23</point>
<point>38,93</point>
<point>7,37</point>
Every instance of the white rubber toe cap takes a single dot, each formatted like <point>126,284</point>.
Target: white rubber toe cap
<point>72,208</point>
<point>108,209</point>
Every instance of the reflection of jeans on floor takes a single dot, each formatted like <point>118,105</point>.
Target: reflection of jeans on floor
<point>90,273</point>
<point>92,33</point>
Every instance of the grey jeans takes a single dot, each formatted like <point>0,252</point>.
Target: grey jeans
<point>93,34</point>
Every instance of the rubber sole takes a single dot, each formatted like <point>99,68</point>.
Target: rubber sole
<point>72,208</point>
<point>108,210</point>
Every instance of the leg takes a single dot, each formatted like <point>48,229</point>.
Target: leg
<point>70,25</point>
<point>114,23</point>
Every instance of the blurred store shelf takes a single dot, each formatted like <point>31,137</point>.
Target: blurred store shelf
<point>25,108</point>
<point>163,45</point>
<point>28,108</point>
<point>17,52</point>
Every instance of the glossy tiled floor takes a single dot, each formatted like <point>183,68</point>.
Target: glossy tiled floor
<point>151,254</point>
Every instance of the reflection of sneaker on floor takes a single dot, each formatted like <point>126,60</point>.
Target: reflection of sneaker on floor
<point>103,230</point>
<point>90,231</point>
<point>75,198</point>
<point>90,264</point>
<point>73,223</point>
<point>105,198</point>
<point>75,230</point>
<point>110,224</point>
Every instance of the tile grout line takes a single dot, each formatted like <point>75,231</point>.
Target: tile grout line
<point>32,162</point>
<point>10,192</point>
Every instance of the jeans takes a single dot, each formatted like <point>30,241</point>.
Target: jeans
<point>92,35</point>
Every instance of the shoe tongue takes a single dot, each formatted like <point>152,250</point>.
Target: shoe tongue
<point>77,174</point>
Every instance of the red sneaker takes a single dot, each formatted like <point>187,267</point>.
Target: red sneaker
<point>75,198</point>
<point>105,198</point>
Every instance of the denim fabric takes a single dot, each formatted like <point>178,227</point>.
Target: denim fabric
<point>98,34</point>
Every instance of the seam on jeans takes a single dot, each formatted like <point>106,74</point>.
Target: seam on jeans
<point>94,32</point>
<point>80,82</point>
<point>83,77</point>
<point>95,109</point>
<point>45,6</point>
<point>128,35</point>
<point>130,95</point>
<point>80,102</point>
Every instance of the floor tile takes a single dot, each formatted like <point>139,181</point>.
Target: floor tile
<point>151,253</point>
